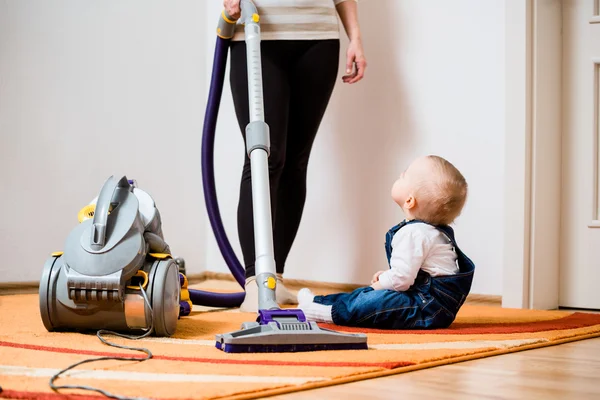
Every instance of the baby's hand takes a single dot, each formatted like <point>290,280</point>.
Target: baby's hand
<point>376,276</point>
<point>377,286</point>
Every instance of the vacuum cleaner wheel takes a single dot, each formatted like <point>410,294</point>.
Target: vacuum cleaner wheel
<point>46,290</point>
<point>165,296</point>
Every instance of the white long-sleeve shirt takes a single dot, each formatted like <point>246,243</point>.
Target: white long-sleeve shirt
<point>414,247</point>
<point>296,20</point>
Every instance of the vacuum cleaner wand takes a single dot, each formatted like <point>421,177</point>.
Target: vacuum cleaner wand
<point>275,330</point>
<point>258,147</point>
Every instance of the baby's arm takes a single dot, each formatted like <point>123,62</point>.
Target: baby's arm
<point>409,247</point>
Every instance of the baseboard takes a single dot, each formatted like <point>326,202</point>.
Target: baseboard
<point>294,284</point>
<point>290,283</point>
<point>474,298</point>
<point>19,288</point>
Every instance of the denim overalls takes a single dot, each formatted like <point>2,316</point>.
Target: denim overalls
<point>431,302</point>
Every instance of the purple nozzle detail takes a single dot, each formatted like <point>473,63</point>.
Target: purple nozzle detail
<point>288,348</point>
<point>266,316</point>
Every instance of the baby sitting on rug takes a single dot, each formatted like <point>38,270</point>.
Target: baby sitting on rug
<point>428,278</point>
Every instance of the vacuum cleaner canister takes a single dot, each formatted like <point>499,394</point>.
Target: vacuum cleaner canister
<point>116,271</point>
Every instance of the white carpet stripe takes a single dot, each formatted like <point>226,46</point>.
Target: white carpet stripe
<point>194,342</point>
<point>474,344</point>
<point>152,377</point>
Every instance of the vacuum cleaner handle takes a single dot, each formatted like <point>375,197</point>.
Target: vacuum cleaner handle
<point>249,12</point>
<point>105,198</point>
<point>226,25</point>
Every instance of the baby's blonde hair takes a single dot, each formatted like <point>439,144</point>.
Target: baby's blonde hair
<point>441,197</point>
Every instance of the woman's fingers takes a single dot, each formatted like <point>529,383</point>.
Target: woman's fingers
<point>233,8</point>
<point>349,62</point>
<point>361,65</point>
<point>350,66</point>
<point>347,78</point>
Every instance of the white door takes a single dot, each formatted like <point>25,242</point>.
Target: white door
<point>580,208</point>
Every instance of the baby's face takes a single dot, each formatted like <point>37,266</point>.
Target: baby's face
<point>406,183</point>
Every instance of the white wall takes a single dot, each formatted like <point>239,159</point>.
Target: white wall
<point>435,84</point>
<point>89,89</point>
<point>75,71</point>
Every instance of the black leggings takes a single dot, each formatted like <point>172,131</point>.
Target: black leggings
<point>298,79</point>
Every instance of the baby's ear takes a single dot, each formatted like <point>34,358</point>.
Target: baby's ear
<point>410,202</point>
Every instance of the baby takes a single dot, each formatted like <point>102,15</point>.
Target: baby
<point>429,277</point>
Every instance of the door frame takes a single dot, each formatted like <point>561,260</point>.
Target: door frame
<point>532,154</point>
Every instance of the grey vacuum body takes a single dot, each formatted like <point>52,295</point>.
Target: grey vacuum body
<point>108,259</point>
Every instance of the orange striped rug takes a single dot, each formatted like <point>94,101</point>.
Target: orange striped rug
<point>189,366</point>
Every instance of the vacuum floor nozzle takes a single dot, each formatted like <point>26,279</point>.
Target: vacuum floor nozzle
<point>282,331</point>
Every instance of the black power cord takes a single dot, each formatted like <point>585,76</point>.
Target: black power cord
<point>99,334</point>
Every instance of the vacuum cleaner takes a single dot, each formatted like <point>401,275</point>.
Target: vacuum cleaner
<point>275,329</point>
<point>113,259</point>
<point>117,272</point>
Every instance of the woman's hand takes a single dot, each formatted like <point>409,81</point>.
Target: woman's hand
<point>232,7</point>
<point>356,63</point>
<point>376,276</point>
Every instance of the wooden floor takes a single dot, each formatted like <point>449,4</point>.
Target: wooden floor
<point>567,371</point>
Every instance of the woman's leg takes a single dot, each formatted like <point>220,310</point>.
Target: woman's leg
<point>312,78</point>
<point>276,94</point>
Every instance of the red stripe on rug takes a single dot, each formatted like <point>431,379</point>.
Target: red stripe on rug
<point>573,321</point>
<point>15,394</point>
<point>386,365</point>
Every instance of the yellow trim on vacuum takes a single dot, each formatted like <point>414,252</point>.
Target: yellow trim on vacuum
<point>160,256</point>
<point>142,274</point>
<point>255,18</point>
<point>57,254</point>
<point>86,212</point>
<point>226,19</point>
<point>185,280</point>
<point>184,295</point>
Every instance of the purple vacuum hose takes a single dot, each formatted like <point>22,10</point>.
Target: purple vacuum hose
<point>200,297</point>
